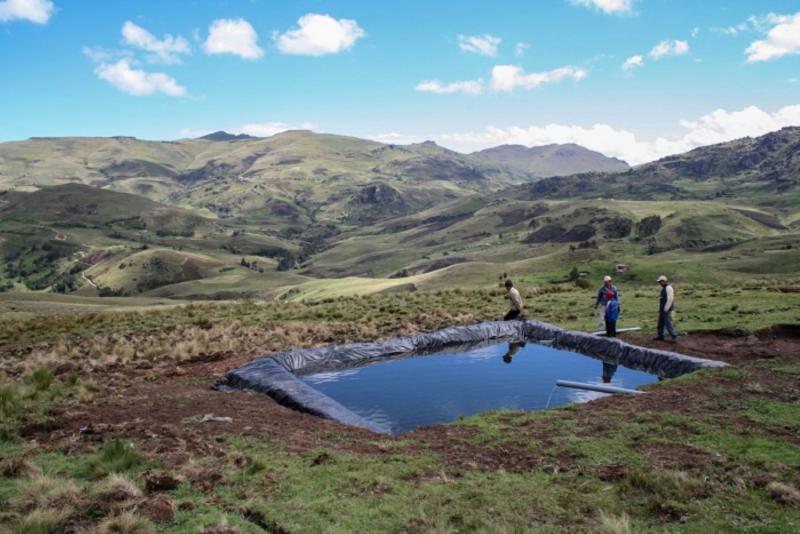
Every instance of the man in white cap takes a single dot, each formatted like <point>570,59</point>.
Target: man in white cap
<point>604,294</point>
<point>666,306</point>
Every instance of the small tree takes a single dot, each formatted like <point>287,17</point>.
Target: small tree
<point>573,274</point>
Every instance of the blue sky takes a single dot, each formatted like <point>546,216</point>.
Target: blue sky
<point>467,74</point>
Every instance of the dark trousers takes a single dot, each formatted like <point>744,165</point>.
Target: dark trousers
<point>511,315</point>
<point>665,322</point>
<point>611,328</point>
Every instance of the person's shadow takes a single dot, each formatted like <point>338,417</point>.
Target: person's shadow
<point>513,348</point>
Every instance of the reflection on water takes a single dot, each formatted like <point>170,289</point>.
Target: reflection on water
<point>404,393</point>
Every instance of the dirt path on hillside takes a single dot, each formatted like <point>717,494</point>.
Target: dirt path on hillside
<point>162,407</point>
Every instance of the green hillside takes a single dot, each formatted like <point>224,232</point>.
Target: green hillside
<point>302,214</point>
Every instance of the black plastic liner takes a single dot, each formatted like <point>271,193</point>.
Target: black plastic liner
<point>275,375</point>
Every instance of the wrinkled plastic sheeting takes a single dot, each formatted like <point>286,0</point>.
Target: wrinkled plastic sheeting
<point>663,363</point>
<point>267,376</point>
<point>304,360</point>
<point>275,375</point>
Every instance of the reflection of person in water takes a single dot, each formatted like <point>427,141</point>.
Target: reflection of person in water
<point>513,348</point>
<point>608,371</point>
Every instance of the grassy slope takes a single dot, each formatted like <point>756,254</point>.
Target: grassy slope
<point>295,193</point>
<point>723,465</point>
<point>150,269</point>
<point>282,180</point>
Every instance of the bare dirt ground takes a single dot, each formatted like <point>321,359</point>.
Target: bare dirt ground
<point>160,407</point>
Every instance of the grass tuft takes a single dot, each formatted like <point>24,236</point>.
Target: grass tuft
<point>783,493</point>
<point>614,524</point>
<point>41,379</point>
<point>18,468</point>
<point>116,456</point>
<point>126,523</point>
<point>43,521</point>
<point>117,489</point>
<point>42,492</point>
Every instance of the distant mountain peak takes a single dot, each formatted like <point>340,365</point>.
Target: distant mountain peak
<point>222,135</point>
<point>552,160</point>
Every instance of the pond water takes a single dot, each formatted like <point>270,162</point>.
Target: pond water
<point>399,394</point>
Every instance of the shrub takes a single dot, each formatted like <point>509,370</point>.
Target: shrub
<point>648,226</point>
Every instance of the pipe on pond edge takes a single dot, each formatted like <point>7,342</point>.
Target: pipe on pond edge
<point>597,387</point>
<point>274,375</point>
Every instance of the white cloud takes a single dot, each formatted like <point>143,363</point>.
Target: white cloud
<point>485,45</point>
<point>267,129</point>
<point>715,127</point>
<point>166,50</point>
<point>138,82</point>
<point>732,30</point>
<point>669,48</point>
<point>781,40</point>
<point>506,78</point>
<point>467,87</point>
<point>611,7</point>
<point>695,32</point>
<point>97,54</point>
<point>318,35</point>
<point>521,48</point>
<point>394,138</point>
<point>256,129</point>
<point>633,62</point>
<point>38,11</point>
<point>754,23</point>
<point>233,36</point>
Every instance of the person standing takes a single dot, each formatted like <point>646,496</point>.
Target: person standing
<point>516,302</point>
<point>612,313</point>
<point>666,308</point>
<point>602,301</point>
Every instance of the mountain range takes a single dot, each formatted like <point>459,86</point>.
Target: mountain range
<point>232,215</point>
<point>294,177</point>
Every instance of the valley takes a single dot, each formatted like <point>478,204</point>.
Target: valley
<point>301,215</point>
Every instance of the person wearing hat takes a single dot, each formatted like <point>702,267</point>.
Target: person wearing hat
<point>666,307</point>
<point>516,302</point>
<point>606,292</point>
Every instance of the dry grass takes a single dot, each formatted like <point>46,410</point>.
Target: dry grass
<point>126,523</point>
<point>117,490</point>
<point>221,528</point>
<point>614,524</point>
<point>784,493</point>
<point>18,467</point>
<point>44,520</point>
<point>187,342</point>
<point>44,492</point>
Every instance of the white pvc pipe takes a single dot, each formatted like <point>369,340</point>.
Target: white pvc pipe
<point>619,331</point>
<point>597,387</point>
